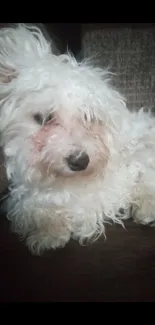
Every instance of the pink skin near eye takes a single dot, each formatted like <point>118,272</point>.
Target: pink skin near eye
<point>40,137</point>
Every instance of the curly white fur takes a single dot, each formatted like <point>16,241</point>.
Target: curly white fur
<point>52,107</point>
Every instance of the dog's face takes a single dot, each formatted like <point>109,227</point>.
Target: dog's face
<point>56,115</point>
<point>66,144</point>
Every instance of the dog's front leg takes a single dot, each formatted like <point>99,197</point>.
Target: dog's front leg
<point>42,226</point>
<point>143,211</point>
<point>50,233</point>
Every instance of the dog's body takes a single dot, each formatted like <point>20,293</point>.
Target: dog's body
<point>74,154</point>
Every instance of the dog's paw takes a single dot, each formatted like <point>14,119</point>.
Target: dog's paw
<point>144,215</point>
<point>38,241</point>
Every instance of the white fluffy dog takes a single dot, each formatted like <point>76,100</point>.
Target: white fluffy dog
<point>75,155</point>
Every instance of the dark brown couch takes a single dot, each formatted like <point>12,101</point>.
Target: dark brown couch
<point>122,268</point>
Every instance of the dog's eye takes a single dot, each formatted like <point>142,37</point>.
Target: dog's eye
<point>41,120</point>
<point>38,118</point>
<point>48,118</point>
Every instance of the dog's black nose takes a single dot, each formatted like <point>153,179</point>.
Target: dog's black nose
<point>77,163</point>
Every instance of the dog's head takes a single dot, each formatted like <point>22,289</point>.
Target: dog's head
<point>57,116</point>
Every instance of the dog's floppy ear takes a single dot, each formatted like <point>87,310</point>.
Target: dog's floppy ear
<point>8,54</point>
<point>20,46</point>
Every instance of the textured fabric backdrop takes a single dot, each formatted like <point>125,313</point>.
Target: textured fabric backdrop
<point>130,52</point>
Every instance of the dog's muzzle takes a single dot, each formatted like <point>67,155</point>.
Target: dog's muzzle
<point>78,163</point>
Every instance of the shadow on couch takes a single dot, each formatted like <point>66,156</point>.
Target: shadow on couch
<point>120,268</point>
